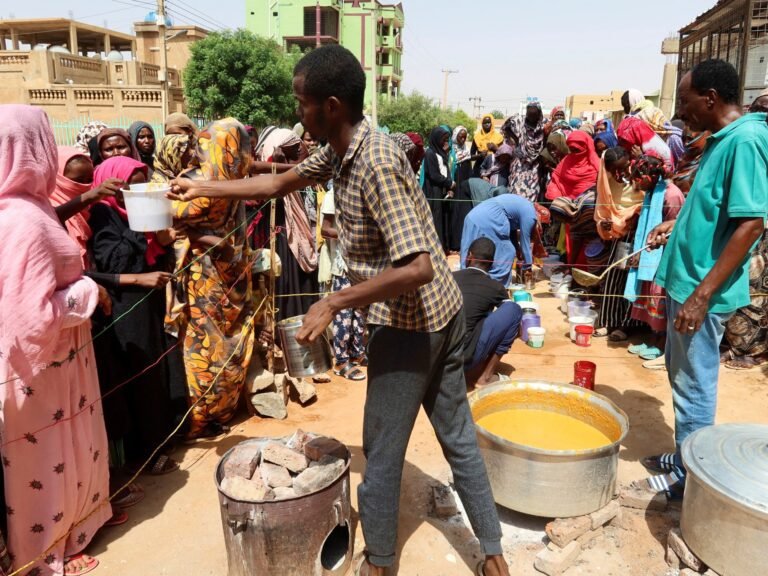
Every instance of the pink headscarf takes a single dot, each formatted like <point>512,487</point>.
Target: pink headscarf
<point>634,132</point>
<point>578,171</point>
<point>34,253</point>
<point>122,168</point>
<point>67,190</point>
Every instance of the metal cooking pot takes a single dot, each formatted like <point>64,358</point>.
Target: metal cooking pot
<point>725,508</point>
<point>551,484</point>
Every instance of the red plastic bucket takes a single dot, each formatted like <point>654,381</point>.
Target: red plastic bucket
<point>584,335</point>
<point>584,374</point>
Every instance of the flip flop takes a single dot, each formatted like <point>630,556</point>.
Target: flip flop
<point>119,517</point>
<point>163,465</point>
<point>618,336</point>
<point>658,364</point>
<point>132,497</point>
<point>743,363</point>
<point>651,353</point>
<point>89,567</point>
<point>637,349</point>
<point>601,333</point>
<point>350,372</point>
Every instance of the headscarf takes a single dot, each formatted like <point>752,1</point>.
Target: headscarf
<point>180,120</point>
<point>635,132</point>
<point>272,138</point>
<point>435,142</point>
<point>417,154</point>
<point>224,150</point>
<point>608,136</point>
<point>530,139</point>
<point>133,132</point>
<point>109,133</point>
<point>636,98</point>
<point>88,133</point>
<point>483,138</point>
<point>168,155</point>
<point>66,190</point>
<point>578,171</point>
<point>555,111</point>
<point>654,117</point>
<point>122,168</point>
<point>462,153</point>
<point>496,167</point>
<point>689,163</point>
<point>588,127</point>
<point>575,123</point>
<point>608,206</point>
<point>675,140</point>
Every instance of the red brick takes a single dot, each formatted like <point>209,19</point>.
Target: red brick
<point>316,448</point>
<point>283,456</point>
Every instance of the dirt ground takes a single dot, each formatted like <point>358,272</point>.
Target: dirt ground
<point>176,530</point>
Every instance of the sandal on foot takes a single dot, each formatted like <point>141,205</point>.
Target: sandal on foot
<point>212,431</point>
<point>637,349</point>
<point>744,363</point>
<point>119,517</point>
<point>163,465</point>
<point>659,363</point>
<point>480,570</point>
<point>618,336</point>
<point>133,495</point>
<point>90,565</point>
<point>362,361</point>
<point>670,485</point>
<point>350,372</point>
<point>601,333</point>
<point>662,463</point>
<point>651,353</point>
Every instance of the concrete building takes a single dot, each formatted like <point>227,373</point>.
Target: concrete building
<point>370,29</point>
<point>593,107</point>
<point>78,71</point>
<point>670,48</point>
<point>733,30</point>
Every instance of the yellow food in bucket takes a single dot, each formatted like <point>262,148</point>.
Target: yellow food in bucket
<point>543,429</point>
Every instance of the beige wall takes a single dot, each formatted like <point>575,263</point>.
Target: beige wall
<point>581,105</point>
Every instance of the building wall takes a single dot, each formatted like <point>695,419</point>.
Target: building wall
<point>593,106</point>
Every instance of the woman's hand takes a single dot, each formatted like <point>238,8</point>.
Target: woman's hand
<point>108,188</point>
<point>152,280</point>
<point>105,302</point>
<point>637,151</point>
<point>168,236</point>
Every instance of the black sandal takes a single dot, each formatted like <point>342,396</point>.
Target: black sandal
<point>663,463</point>
<point>350,372</point>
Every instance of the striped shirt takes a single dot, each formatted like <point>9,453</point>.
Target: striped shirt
<point>382,217</point>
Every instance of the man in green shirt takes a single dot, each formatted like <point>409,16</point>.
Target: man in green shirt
<point>705,266</point>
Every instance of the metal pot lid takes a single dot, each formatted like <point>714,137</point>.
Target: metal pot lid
<point>733,460</point>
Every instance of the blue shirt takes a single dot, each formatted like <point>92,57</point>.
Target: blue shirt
<point>732,183</point>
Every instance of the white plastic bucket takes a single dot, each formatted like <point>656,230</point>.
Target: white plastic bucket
<point>148,208</point>
<point>578,308</point>
<point>581,321</point>
<point>536,336</point>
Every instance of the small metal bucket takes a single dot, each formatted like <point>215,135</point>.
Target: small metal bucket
<point>303,361</point>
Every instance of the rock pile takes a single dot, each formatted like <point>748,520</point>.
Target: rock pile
<point>279,470</point>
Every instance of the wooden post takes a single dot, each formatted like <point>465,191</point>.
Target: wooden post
<point>272,309</point>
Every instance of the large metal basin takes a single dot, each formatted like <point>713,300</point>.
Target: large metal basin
<point>725,509</point>
<point>552,484</point>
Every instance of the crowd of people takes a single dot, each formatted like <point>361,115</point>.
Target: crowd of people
<point>111,336</point>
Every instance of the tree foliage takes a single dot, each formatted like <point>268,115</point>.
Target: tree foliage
<point>416,112</point>
<point>236,73</point>
<point>498,115</point>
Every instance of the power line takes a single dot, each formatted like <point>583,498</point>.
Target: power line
<point>184,6</point>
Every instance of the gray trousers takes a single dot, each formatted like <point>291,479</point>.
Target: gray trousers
<point>408,370</point>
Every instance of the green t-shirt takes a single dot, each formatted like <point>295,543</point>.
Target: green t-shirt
<point>732,182</point>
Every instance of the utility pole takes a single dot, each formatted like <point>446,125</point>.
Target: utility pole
<point>447,73</point>
<point>163,74</point>
<point>477,101</point>
<point>318,22</point>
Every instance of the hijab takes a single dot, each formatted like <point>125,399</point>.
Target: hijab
<point>634,132</point>
<point>588,127</point>
<point>66,190</point>
<point>88,133</point>
<point>109,133</point>
<point>689,163</point>
<point>575,123</point>
<point>483,138</point>
<point>180,120</point>
<point>436,142</point>
<point>417,155</point>
<point>530,139</point>
<point>608,136</point>
<point>133,132</point>
<point>168,157</point>
<point>122,168</point>
<point>578,171</point>
<point>224,150</point>
<point>636,98</point>
<point>462,153</point>
<point>272,138</point>
<point>608,206</point>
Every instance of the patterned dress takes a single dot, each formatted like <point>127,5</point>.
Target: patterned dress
<point>214,317</point>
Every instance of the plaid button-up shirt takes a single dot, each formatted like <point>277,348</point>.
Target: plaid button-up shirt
<point>382,216</point>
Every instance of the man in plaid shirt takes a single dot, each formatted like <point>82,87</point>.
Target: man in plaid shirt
<point>397,268</point>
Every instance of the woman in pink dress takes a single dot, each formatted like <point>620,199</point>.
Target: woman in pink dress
<point>54,445</point>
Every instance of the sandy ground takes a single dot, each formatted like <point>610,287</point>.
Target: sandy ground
<point>176,530</point>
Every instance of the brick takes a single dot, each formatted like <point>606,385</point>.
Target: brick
<point>554,560</point>
<point>586,539</point>
<point>258,378</point>
<point>298,440</point>
<point>284,456</point>
<point>270,405</point>
<point>284,493</point>
<point>680,548</point>
<point>282,386</point>
<point>304,391</point>
<point>565,530</point>
<point>275,476</point>
<point>318,476</point>
<point>605,514</point>
<point>621,520</point>
<point>317,448</point>
<point>253,490</point>
<point>642,500</point>
<point>444,502</point>
<point>243,461</point>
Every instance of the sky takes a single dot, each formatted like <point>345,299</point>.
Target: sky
<point>504,50</point>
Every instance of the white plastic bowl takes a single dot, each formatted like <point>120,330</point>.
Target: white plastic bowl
<point>148,208</point>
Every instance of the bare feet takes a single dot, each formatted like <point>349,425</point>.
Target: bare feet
<point>79,564</point>
<point>482,383</point>
<point>495,566</point>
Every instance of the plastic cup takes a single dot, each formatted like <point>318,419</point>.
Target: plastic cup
<point>522,296</point>
<point>536,336</point>
<point>584,374</point>
<point>148,208</point>
<point>584,335</point>
<point>575,321</point>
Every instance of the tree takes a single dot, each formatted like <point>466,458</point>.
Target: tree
<point>416,112</point>
<point>241,75</point>
<point>498,115</point>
